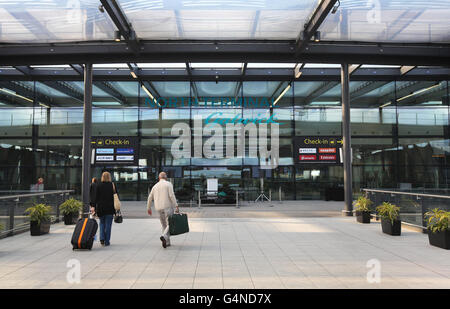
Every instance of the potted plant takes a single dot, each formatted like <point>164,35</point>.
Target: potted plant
<point>71,210</point>
<point>438,229</point>
<point>362,209</point>
<point>40,219</point>
<point>390,222</point>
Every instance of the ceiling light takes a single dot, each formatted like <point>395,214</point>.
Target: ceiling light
<point>117,36</point>
<point>150,95</point>
<point>133,74</point>
<point>384,105</point>
<point>44,105</point>
<point>317,36</point>
<point>417,92</point>
<point>100,103</point>
<point>282,94</point>
<point>10,92</point>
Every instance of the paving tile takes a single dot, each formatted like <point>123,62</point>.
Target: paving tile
<point>325,252</point>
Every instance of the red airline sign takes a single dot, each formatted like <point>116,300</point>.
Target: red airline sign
<point>327,157</point>
<point>308,158</point>
<point>327,150</point>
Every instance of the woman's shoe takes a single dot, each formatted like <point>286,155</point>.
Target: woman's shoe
<point>102,242</point>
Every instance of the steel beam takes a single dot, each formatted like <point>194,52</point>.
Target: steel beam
<point>87,127</point>
<point>323,88</point>
<point>65,88</point>
<point>120,20</point>
<point>353,68</point>
<point>112,91</point>
<point>318,16</point>
<point>405,69</point>
<point>404,90</point>
<point>149,85</point>
<point>240,83</point>
<point>77,68</point>
<point>192,83</point>
<point>365,88</point>
<point>226,51</point>
<point>27,92</point>
<point>347,144</point>
<point>255,74</point>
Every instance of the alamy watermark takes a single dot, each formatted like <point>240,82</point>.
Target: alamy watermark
<point>73,275</point>
<point>374,273</point>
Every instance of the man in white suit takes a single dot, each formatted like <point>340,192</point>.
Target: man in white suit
<point>165,202</point>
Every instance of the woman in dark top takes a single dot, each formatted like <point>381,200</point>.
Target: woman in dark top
<point>93,191</point>
<point>104,206</point>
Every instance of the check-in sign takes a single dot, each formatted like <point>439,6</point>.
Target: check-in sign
<point>124,150</point>
<point>327,157</point>
<point>307,157</point>
<point>105,150</point>
<point>124,158</point>
<point>105,158</point>
<point>115,150</point>
<point>317,149</point>
<point>327,150</point>
<point>307,150</point>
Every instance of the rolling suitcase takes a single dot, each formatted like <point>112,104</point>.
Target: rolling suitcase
<point>84,233</point>
<point>178,224</point>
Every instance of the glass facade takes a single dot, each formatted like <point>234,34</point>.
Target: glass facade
<point>399,135</point>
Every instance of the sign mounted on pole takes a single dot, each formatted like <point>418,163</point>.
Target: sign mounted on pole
<point>115,150</point>
<point>317,149</point>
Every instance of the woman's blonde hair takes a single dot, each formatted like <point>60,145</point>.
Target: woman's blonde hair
<point>106,177</point>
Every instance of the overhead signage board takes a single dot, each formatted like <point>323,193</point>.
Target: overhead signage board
<point>317,149</point>
<point>115,150</point>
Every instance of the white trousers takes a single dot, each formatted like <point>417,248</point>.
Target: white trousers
<point>164,218</point>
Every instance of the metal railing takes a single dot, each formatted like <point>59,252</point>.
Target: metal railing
<point>13,218</point>
<point>412,205</point>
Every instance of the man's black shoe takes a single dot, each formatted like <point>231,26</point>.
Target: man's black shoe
<point>163,241</point>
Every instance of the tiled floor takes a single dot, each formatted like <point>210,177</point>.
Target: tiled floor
<point>229,253</point>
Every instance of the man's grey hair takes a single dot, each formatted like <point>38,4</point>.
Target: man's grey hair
<point>163,175</point>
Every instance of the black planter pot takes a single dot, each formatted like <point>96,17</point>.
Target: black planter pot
<point>70,219</point>
<point>394,229</point>
<point>440,239</point>
<point>362,216</point>
<point>37,229</point>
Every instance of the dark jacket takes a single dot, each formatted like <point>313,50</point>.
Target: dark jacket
<point>92,193</point>
<point>104,199</point>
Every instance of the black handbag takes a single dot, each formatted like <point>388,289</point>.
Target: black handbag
<point>118,217</point>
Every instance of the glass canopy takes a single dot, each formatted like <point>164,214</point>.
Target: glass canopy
<point>44,21</point>
<point>408,21</point>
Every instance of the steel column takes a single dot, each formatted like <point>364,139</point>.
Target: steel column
<point>87,124</point>
<point>346,150</point>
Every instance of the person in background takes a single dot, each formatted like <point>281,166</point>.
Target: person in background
<point>165,201</point>
<point>104,206</point>
<point>92,194</point>
<point>39,186</point>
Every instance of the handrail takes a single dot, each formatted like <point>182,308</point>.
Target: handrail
<point>11,202</point>
<point>7,197</point>
<point>408,193</point>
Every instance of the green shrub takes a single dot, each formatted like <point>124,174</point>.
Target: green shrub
<point>71,206</point>
<point>362,203</point>
<point>39,212</point>
<point>438,220</point>
<point>388,211</point>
